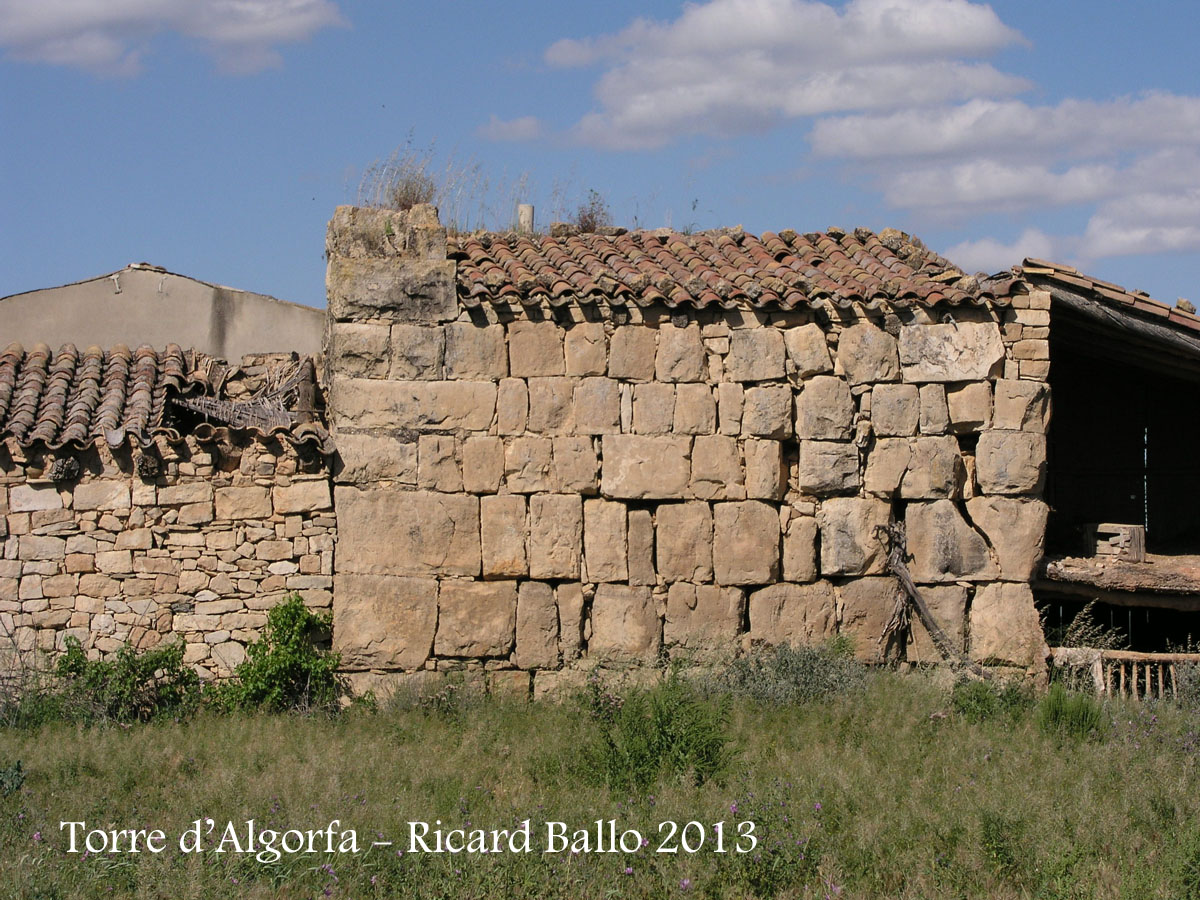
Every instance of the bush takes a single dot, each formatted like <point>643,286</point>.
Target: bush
<point>285,670</point>
<point>1065,714</point>
<point>593,213</point>
<point>980,701</point>
<point>787,674</point>
<point>131,687</point>
<point>668,729</point>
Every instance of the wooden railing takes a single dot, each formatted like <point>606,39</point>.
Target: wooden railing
<point>1126,673</point>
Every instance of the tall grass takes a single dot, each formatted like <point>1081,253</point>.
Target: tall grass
<point>881,792</point>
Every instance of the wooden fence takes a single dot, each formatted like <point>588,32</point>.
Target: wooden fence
<point>1125,673</point>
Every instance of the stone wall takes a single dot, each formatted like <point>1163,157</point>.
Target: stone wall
<point>199,552</point>
<point>522,489</point>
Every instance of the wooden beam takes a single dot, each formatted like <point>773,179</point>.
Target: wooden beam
<point>1119,598</point>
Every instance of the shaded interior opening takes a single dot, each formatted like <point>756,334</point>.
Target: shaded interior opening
<point>1124,440</point>
<point>1146,629</point>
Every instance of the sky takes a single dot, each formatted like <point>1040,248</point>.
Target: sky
<point>216,137</point>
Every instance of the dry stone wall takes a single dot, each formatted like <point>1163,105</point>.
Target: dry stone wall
<point>199,552</point>
<point>525,490</point>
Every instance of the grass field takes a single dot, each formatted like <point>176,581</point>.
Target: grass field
<point>887,791</point>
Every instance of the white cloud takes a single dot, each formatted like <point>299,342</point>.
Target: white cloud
<point>1012,128</point>
<point>525,128</point>
<point>1144,223</point>
<point>110,36</point>
<point>990,255</point>
<point>732,66</point>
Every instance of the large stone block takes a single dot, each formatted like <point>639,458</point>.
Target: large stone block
<point>367,458</point>
<point>970,406</point>
<point>963,351</point>
<point>755,354</point>
<point>382,532</point>
<point>625,623</point>
<point>948,605</point>
<point>586,349</point>
<point>798,614</point>
<point>632,353</point>
<point>800,549</point>
<point>887,462</point>
<point>935,471</point>
<point>249,502</point>
<point>575,465</point>
<point>867,354</point>
<point>680,354</point>
<point>653,408</point>
<point>638,467</point>
<point>935,414</point>
<point>827,467</point>
<point>358,350</point>
<point>537,626</point>
<point>383,621</point>
<point>850,543</point>
<point>730,401</point>
<point>535,348</point>
<point>476,618</point>
<point>944,547</point>
<point>1016,529</point>
<point>767,411</point>
<point>482,463</point>
<point>475,352</point>
<point>569,600</point>
<point>824,409</point>
<point>551,405</point>
<point>1010,462</point>
<point>717,468</point>
<point>895,410</point>
<point>101,495</point>
<point>684,534</point>
<point>555,535</point>
<point>597,406</point>
<point>1021,406</point>
<point>807,351</point>
<point>641,548</point>
<point>419,291</point>
<point>503,531</point>
<point>188,492</point>
<point>419,405</point>
<point>866,606</point>
<point>695,409</point>
<point>33,498</point>
<point>308,496</point>
<point>437,463</point>
<point>417,352</point>
<point>746,538</point>
<point>1005,627</point>
<point>527,464</point>
<point>512,406</point>
<point>766,474</point>
<point>703,616</point>
<point>604,550</point>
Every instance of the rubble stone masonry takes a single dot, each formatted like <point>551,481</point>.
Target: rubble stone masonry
<point>198,552</point>
<point>522,488</point>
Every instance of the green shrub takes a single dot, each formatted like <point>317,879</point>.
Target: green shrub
<point>980,701</point>
<point>669,729</point>
<point>11,779</point>
<point>1065,714</point>
<point>130,687</point>
<point>787,674</point>
<point>285,669</point>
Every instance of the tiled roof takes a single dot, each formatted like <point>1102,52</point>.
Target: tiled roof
<point>76,399</point>
<point>1139,301</point>
<point>727,269</point>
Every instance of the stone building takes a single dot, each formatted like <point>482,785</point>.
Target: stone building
<point>548,451</point>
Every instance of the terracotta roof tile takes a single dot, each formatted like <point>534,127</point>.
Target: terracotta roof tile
<point>1040,270</point>
<point>727,268</point>
<point>73,399</point>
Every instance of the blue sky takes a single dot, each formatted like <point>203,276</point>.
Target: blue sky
<point>215,137</point>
